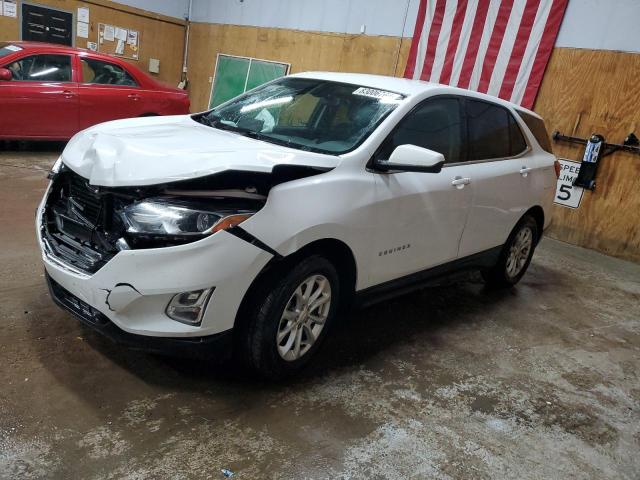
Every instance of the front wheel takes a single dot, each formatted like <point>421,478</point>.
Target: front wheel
<point>290,318</point>
<point>515,256</point>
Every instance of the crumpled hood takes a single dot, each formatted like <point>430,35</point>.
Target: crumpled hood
<point>153,150</point>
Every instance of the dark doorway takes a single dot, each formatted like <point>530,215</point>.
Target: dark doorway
<point>46,25</point>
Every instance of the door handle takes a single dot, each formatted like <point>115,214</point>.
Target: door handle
<point>67,94</point>
<point>524,171</point>
<point>134,96</point>
<point>460,182</point>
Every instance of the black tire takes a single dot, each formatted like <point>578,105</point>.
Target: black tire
<point>258,347</point>
<point>499,276</point>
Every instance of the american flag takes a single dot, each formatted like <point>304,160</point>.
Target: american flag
<point>499,47</point>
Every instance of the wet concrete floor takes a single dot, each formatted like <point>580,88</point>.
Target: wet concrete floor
<point>541,381</point>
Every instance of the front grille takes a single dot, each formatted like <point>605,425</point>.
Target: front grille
<point>85,198</point>
<point>73,228</point>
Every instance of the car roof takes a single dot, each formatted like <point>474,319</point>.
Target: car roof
<point>405,86</point>
<point>44,47</point>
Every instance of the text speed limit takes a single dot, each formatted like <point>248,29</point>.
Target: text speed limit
<point>567,194</point>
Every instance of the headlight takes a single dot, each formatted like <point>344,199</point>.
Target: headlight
<point>166,218</point>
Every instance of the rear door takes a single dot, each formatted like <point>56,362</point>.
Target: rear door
<point>501,167</point>
<point>41,100</point>
<point>107,92</point>
<point>420,217</point>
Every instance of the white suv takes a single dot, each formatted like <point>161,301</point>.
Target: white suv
<point>252,225</point>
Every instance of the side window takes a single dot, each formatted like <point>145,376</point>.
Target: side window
<point>435,125</point>
<point>42,68</point>
<point>536,125</point>
<point>518,143</point>
<point>104,73</point>
<point>489,131</point>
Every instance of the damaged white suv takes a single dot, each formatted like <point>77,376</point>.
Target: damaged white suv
<point>250,226</point>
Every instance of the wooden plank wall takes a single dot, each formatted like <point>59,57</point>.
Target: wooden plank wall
<point>303,50</point>
<point>162,37</point>
<point>597,91</point>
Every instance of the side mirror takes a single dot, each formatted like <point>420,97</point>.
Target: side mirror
<point>411,158</point>
<point>5,74</point>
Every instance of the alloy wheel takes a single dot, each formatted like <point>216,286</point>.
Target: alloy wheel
<point>304,317</point>
<point>519,252</point>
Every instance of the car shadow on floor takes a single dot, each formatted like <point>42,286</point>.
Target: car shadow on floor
<point>31,146</point>
<point>357,337</point>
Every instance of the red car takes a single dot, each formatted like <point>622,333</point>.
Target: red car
<point>51,92</point>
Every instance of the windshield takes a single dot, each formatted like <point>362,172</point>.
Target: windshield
<point>8,49</point>
<point>314,115</point>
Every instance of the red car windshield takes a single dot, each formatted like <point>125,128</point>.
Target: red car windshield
<point>8,49</point>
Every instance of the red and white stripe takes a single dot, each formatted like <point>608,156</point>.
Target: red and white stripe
<point>499,47</point>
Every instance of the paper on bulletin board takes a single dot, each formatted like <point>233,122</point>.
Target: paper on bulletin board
<point>109,33</point>
<point>83,14</point>
<point>132,38</point>
<point>121,34</point>
<point>9,9</point>
<point>120,47</point>
<point>82,30</point>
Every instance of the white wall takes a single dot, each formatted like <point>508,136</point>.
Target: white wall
<point>593,24</point>
<point>601,25</point>
<point>172,8</point>
<point>380,17</point>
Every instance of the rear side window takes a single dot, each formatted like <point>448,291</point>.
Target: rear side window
<point>492,132</point>
<point>536,125</point>
<point>518,143</point>
<point>42,68</point>
<point>104,73</point>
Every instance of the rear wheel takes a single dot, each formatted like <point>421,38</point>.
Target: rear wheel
<point>515,256</point>
<point>289,317</point>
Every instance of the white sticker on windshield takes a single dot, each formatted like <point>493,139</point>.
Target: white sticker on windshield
<point>12,48</point>
<point>379,94</point>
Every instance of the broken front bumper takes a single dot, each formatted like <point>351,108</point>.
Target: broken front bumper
<point>132,289</point>
<point>212,347</point>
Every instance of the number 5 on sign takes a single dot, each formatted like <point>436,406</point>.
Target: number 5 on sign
<point>566,194</point>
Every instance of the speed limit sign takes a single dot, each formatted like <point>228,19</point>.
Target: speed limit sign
<point>567,194</point>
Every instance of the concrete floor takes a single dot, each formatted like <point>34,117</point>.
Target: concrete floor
<point>452,382</point>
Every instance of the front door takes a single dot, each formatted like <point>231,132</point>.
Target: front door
<point>41,99</point>
<point>42,24</point>
<point>420,217</point>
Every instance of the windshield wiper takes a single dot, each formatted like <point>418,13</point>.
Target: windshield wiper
<point>212,121</point>
<point>217,122</point>
<point>203,119</point>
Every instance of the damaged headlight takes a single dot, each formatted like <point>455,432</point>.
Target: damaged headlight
<point>55,169</point>
<point>166,218</point>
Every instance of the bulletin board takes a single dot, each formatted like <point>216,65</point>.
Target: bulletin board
<point>235,75</point>
<point>118,41</point>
